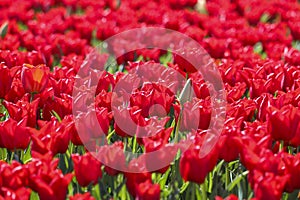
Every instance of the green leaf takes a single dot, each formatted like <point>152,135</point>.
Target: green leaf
<point>184,187</point>
<point>3,29</point>
<point>63,163</point>
<point>3,154</point>
<point>34,196</point>
<point>166,58</point>
<point>264,55</point>
<point>4,112</point>
<point>294,195</point>
<point>198,195</point>
<point>53,113</point>
<point>265,18</point>
<point>163,180</point>
<point>258,48</point>
<point>296,44</point>
<point>237,180</point>
<point>22,26</point>
<point>233,163</point>
<point>111,65</point>
<point>123,194</point>
<point>94,41</point>
<point>27,155</point>
<point>96,192</point>
<point>140,58</point>
<point>218,167</point>
<point>79,11</point>
<point>201,7</point>
<point>22,49</point>
<point>186,92</point>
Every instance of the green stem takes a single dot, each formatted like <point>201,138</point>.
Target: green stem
<point>134,145</point>
<point>110,135</point>
<point>227,175</point>
<point>210,182</point>
<point>177,129</point>
<point>31,96</point>
<point>281,146</point>
<point>193,191</point>
<point>10,156</point>
<point>188,192</point>
<point>203,190</point>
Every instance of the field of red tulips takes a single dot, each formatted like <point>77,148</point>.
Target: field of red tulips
<point>78,123</point>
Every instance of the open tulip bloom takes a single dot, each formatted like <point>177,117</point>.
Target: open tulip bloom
<point>148,100</point>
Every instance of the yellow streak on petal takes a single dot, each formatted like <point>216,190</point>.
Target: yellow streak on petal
<point>28,65</point>
<point>38,75</point>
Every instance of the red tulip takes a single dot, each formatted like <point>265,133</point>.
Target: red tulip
<point>59,140</point>
<point>14,135</point>
<point>62,106</point>
<point>14,175</point>
<point>242,108</point>
<point>193,167</point>
<point>229,146</point>
<point>134,179</point>
<point>151,94</point>
<point>45,179</point>
<point>257,87</point>
<point>34,78</point>
<point>113,157</point>
<point>87,169</point>
<point>292,167</point>
<point>22,109</point>
<point>284,122</point>
<point>20,193</point>
<point>71,128</point>
<point>251,151</point>
<point>136,175</point>
<point>148,191</point>
<point>125,128</point>
<point>267,185</point>
<point>103,99</point>
<point>52,136</point>
<point>235,93</point>
<point>292,56</point>
<point>184,65</point>
<point>163,156</point>
<point>199,86</point>
<point>196,115</point>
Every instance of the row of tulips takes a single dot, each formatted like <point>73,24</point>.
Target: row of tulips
<point>255,46</point>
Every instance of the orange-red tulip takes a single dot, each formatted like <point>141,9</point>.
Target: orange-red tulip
<point>34,78</point>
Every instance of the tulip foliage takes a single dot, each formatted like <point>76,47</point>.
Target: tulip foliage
<point>256,48</point>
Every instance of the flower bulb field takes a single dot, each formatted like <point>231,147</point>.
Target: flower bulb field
<point>149,100</point>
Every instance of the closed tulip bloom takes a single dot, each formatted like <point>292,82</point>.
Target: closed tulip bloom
<point>34,78</point>
<point>81,164</point>
<point>192,166</point>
